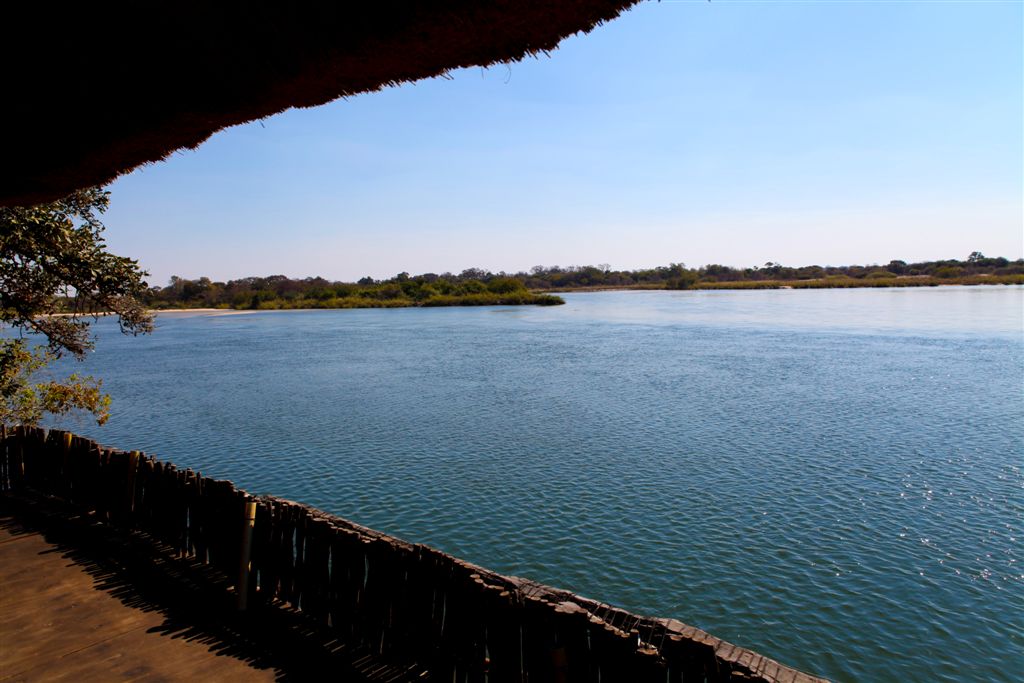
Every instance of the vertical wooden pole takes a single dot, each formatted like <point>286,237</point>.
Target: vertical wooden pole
<point>5,461</point>
<point>133,465</point>
<point>67,483</point>
<point>21,457</point>
<point>245,554</point>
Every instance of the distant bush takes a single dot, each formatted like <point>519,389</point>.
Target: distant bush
<point>388,291</point>
<point>505,285</point>
<point>472,287</point>
<point>685,281</point>
<point>520,298</point>
<point>547,300</point>
<point>947,272</point>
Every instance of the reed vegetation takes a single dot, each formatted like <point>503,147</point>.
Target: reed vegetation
<point>848,282</point>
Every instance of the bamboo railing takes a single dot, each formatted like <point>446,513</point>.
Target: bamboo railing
<point>410,601</point>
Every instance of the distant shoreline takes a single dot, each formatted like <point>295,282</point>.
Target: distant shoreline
<point>217,311</point>
<point>851,283</point>
<point>103,314</point>
<point>829,283</point>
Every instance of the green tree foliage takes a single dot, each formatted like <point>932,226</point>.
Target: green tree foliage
<point>277,291</point>
<point>25,401</point>
<point>678,276</point>
<point>685,280</point>
<point>56,274</point>
<point>505,285</point>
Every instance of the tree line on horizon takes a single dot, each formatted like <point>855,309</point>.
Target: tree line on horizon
<point>279,291</point>
<point>677,275</point>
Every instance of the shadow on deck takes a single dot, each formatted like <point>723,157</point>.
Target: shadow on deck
<point>170,618</point>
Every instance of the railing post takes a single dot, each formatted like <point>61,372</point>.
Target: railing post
<point>133,466</point>
<point>65,466</point>
<point>245,553</point>
<point>5,461</point>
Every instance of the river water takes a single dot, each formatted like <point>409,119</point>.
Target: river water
<point>830,477</point>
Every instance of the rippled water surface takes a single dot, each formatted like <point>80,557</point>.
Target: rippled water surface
<point>832,478</point>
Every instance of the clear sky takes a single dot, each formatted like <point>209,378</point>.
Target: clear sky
<point>818,132</point>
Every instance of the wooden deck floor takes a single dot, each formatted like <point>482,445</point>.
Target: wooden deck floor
<point>80,601</point>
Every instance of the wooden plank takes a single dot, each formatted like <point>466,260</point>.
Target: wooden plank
<point>56,625</point>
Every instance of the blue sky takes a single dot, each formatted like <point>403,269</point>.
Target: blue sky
<point>727,132</point>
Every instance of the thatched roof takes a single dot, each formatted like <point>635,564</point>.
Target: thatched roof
<point>94,91</point>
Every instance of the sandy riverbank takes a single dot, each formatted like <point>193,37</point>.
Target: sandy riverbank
<point>183,312</point>
<point>176,312</point>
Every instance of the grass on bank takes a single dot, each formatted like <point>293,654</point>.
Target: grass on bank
<point>815,283</point>
<point>523,298</point>
<point>849,282</point>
